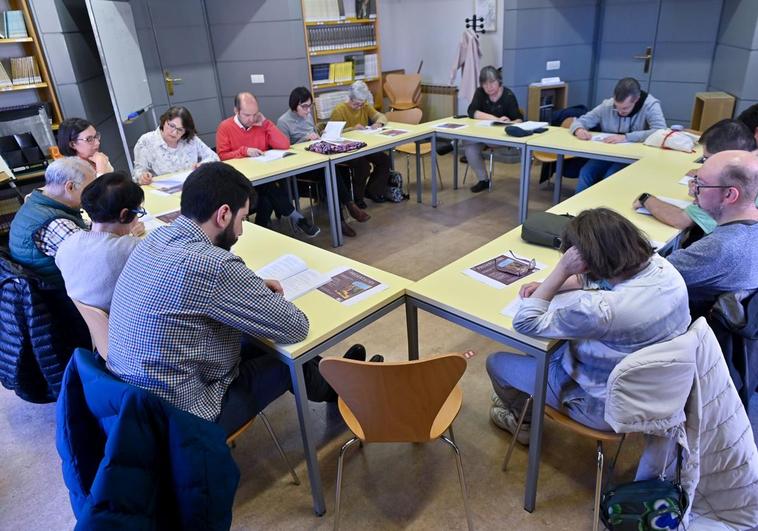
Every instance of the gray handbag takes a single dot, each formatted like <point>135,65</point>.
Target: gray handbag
<point>544,228</point>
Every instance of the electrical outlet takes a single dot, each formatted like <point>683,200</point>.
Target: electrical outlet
<point>553,65</point>
<point>257,78</point>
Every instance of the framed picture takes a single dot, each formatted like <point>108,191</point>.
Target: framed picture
<point>488,10</point>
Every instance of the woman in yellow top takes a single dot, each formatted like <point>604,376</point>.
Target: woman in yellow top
<point>358,113</point>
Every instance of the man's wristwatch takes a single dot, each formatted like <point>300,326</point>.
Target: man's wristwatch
<point>643,197</point>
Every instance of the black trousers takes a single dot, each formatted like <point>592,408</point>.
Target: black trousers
<point>272,197</point>
<point>366,181</point>
<point>262,379</point>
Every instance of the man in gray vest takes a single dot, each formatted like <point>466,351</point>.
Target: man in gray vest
<point>49,215</point>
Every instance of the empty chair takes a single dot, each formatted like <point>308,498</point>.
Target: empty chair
<point>403,90</point>
<point>414,117</point>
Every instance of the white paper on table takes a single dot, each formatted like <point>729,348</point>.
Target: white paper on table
<point>531,125</point>
<point>272,154</point>
<point>151,223</point>
<point>333,131</point>
<point>599,137</point>
<point>657,245</point>
<point>293,274</point>
<point>358,298</point>
<point>512,308</point>
<point>283,267</point>
<point>681,203</point>
<point>685,180</point>
<point>158,192</point>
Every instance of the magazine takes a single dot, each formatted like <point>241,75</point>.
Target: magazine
<point>503,270</point>
<point>293,274</point>
<point>348,286</point>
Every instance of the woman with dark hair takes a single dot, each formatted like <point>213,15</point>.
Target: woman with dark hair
<point>623,297</point>
<point>297,124</point>
<point>174,146</point>
<point>91,261</point>
<point>78,137</point>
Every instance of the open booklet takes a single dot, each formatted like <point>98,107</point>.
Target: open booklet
<point>333,132</point>
<point>153,222</point>
<point>449,125</point>
<point>348,286</point>
<point>503,270</point>
<point>600,137</point>
<point>294,276</point>
<point>273,154</point>
<point>681,203</point>
<point>173,183</point>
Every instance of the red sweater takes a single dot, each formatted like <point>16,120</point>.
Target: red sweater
<point>232,141</point>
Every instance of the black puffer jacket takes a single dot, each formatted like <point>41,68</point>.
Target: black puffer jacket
<point>39,329</point>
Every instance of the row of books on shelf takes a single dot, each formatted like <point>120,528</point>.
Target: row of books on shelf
<point>356,66</point>
<point>12,25</point>
<point>326,102</point>
<point>340,37</point>
<point>23,71</point>
<point>320,10</point>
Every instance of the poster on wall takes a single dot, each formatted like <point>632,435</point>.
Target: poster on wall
<point>487,9</point>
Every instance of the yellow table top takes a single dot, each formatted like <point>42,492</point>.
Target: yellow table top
<point>376,139</point>
<point>258,246</point>
<point>256,170</point>
<point>474,131</point>
<point>450,289</point>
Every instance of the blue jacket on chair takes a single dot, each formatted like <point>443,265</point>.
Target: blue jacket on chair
<point>133,461</point>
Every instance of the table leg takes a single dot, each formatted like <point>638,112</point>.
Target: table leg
<point>418,170</point>
<point>526,169</point>
<point>391,155</point>
<point>455,164</point>
<point>411,321</point>
<point>292,192</point>
<point>535,436</point>
<point>333,204</point>
<point>558,179</point>
<point>434,173</point>
<point>306,431</point>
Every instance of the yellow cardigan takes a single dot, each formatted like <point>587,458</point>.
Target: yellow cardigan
<point>365,115</point>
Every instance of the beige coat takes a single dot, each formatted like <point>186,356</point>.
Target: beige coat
<point>467,60</point>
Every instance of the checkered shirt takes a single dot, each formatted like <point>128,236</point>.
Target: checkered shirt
<point>179,309</point>
<point>48,238</point>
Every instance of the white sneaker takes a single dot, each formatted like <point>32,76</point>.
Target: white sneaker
<point>506,420</point>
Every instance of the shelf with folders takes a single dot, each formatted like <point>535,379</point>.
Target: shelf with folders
<point>338,38</point>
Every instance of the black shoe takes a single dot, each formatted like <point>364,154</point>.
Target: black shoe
<point>377,198</point>
<point>376,358</point>
<point>304,225</point>
<point>357,353</point>
<point>361,203</point>
<point>481,186</point>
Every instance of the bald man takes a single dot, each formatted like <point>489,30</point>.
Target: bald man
<point>249,134</point>
<point>726,259</point>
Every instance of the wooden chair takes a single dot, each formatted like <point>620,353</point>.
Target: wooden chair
<point>97,322</point>
<point>413,401</point>
<point>551,158</point>
<point>584,431</point>
<point>403,90</point>
<point>413,117</point>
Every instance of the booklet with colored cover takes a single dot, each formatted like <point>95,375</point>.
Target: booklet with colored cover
<point>502,270</point>
<point>449,125</point>
<point>294,275</point>
<point>153,222</point>
<point>348,286</point>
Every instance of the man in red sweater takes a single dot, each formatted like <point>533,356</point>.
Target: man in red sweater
<point>248,134</point>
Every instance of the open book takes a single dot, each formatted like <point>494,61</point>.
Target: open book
<point>273,154</point>
<point>173,182</point>
<point>333,132</point>
<point>294,276</point>
<point>600,137</point>
<point>153,222</point>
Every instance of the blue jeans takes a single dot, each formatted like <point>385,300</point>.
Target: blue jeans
<point>595,171</point>
<point>512,378</point>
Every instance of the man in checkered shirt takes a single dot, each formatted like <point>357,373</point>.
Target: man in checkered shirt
<point>184,303</point>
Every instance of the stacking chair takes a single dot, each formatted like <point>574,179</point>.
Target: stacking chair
<point>551,158</point>
<point>413,402</point>
<point>413,117</point>
<point>403,91</point>
<point>580,429</point>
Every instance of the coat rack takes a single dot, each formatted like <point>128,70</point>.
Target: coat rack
<point>476,24</point>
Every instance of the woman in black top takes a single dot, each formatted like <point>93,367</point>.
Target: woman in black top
<point>491,101</point>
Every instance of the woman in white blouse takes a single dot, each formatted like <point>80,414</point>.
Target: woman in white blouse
<point>174,146</point>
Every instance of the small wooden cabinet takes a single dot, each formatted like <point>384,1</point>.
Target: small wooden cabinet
<point>709,108</point>
<point>543,99</point>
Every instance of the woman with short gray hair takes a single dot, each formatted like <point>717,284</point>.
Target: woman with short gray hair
<point>491,101</point>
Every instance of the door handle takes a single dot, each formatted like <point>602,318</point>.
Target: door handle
<point>170,82</point>
<point>648,57</point>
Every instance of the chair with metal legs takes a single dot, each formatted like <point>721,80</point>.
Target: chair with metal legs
<point>491,173</point>
<point>580,429</point>
<point>412,401</point>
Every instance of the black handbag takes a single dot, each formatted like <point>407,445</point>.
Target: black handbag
<point>544,228</point>
<point>645,505</point>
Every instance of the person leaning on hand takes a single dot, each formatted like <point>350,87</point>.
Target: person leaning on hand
<point>78,137</point>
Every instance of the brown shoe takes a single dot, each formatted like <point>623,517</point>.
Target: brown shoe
<point>356,213</point>
<point>347,230</point>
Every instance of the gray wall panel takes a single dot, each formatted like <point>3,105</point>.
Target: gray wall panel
<point>679,98</point>
<point>532,4</point>
<point>271,106</point>
<point>85,58</point>
<point>730,67</point>
<point>738,24</point>
<point>58,58</point>
<point>549,27</point>
<point>198,82</point>
<point>682,62</point>
<point>209,139</point>
<point>244,42</point>
<point>176,49</point>
<point>742,105</point>
<point>97,100</point>
<point>206,114</point>
<point>236,11</point>
<point>529,63</point>
<point>281,77</point>
<point>617,60</point>
<point>177,14</point>
<point>689,20</point>
<point>70,100</point>
<point>621,22</point>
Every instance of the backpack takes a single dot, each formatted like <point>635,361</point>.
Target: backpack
<point>394,190</point>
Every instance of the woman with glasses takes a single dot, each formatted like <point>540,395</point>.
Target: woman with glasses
<point>78,137</point>
<point>91,261</point>
<point>609,295</point>
<point>297,124</point>
<point>174,146</point>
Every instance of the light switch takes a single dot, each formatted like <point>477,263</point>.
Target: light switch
<point>553,65</point>
<point>257,78</point>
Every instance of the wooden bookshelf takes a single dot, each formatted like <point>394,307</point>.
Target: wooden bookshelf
<point>337,55</point>
<point>30,46</point>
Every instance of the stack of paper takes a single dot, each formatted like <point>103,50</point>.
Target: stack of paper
<point>294,276</point>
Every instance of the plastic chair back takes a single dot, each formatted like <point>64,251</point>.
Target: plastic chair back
<point>403,90</point>
<point>407,116</point>
<point>97,322</point>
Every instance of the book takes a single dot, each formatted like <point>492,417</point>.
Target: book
<point>503,270</point>
<point>449,125</point>
<point>273,154</point>
<point>294,275</point>
<point>393,132</point>
<point>15,27</point>
<point>333,132</point>
<point>5,80</point>
<point>153,222</point>
<point>348,286</point>
<point>173,182</point>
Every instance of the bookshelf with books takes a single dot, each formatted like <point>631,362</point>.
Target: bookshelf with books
<point>22,63</point>
<point>342,44</point>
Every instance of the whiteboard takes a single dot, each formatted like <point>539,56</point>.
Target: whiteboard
<point>116,37</point>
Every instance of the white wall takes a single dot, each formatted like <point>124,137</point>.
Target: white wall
<point>412,30</point>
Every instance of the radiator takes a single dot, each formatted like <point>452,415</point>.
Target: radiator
<point>438,101</point>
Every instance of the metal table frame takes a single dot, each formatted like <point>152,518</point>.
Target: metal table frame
<point>412,305</point>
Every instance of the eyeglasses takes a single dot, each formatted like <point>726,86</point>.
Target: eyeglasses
<point>513,265</point>
<point>90,139</point>
<point>306,105</point>
<point>697,186</point>
<point>180,130</point>
<point>139,211</point>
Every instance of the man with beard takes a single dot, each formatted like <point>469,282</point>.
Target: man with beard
<point>726,259</point>
<point>184,306</point>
